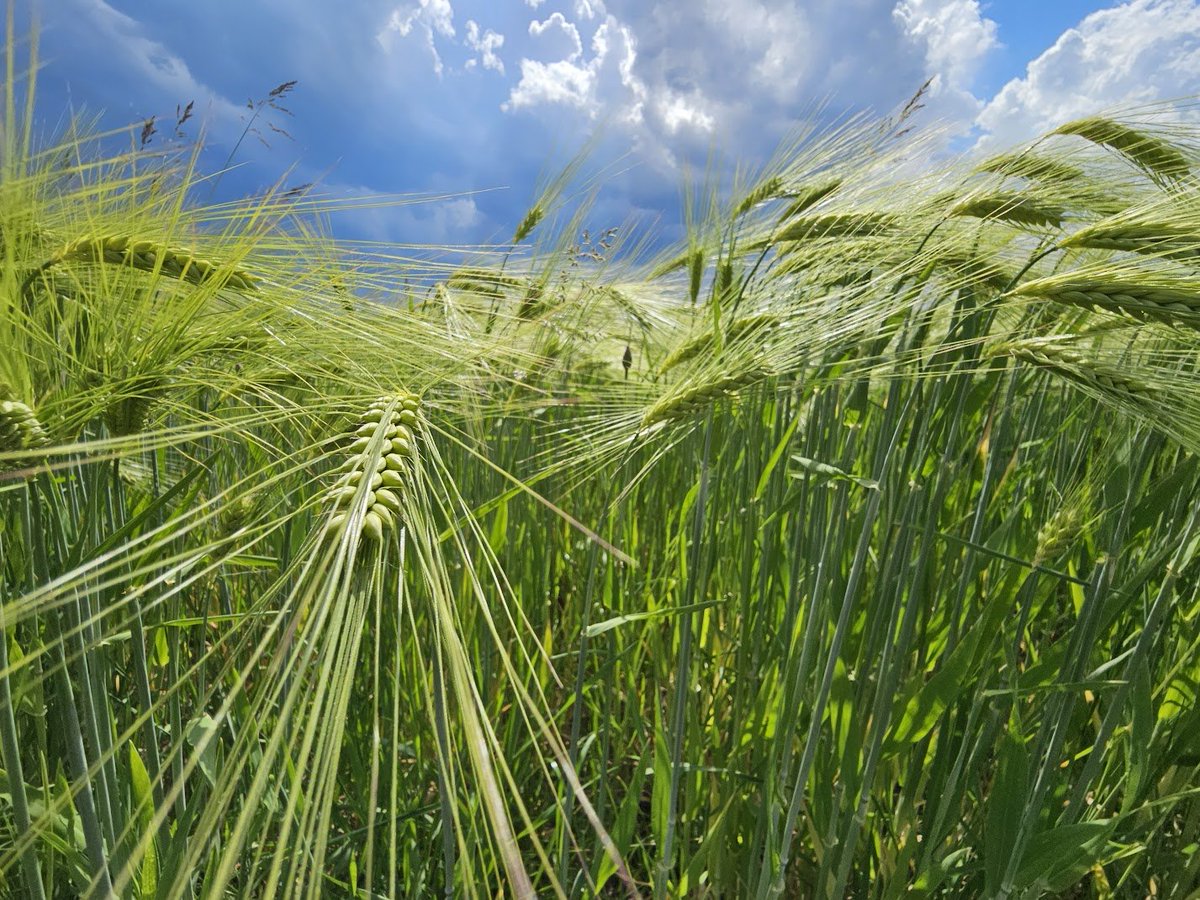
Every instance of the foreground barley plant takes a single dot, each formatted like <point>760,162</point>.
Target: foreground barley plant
<point>847,549</point>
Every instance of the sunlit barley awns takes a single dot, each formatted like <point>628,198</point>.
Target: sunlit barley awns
<point>1153,154</point>
<point>1142,300</point>
<point>149,256</point>
<point>384,442</point>
<point>708,579</point>
<point>971,270</point>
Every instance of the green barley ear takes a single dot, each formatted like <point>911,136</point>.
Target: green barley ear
<point>1030,166</point>
<point>1011,208</point>
<point>738,329</point>
<point>691,400</point>
<point>806,198</point>
<point>1149,153</point>
<point>19,428</point>
<point>770,189</point>
<point>148,256</point>
<point>535,215</point>
<point>1087,373</point>
<point>1060,532</point>
<point>695,273</point>
<point>1165,239</point>
<point>1148,302</point>
<point>129,413</point>
<point>836,225</point>
<point>383,446</point>
<point>482,281</point>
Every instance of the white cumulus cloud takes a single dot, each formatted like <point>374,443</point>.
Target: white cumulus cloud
<point>429,18</point>
<point>1134,53</point>
<point>601,80</point>
<point>955,35</point>
<point>954,38</point>
<point>558,30</point>
<point>589,9</point>
<point>486,44</point>
<point>678,112</point>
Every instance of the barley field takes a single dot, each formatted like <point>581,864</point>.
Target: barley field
<point>846,549</point>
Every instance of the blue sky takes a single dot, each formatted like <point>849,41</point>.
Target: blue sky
<point>482,99</point>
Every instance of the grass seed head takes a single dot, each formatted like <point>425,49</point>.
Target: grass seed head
<point>1091,374</point>
<point>1147,238</point>
<point>836,225</point>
